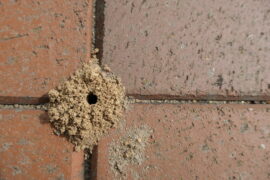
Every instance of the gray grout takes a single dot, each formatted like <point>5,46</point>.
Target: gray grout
<point>131,100</point>
<point>154,101</point>
<point>25,106</point>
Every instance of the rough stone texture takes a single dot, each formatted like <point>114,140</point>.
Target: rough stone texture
<point>201,49</point>
<point>29,149</point>
<point>41,42</point>
<point>196,142</point>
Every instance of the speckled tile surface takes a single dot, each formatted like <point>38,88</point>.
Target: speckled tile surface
<point>30,150</point>
<point>42,43</point>
<point>195,142</point>
<point>211,49</point>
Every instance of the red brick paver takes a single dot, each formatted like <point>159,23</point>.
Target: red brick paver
<point>30,150</point>
<point>41,43</point>
<point>190,49</point>
<point>196,142</point>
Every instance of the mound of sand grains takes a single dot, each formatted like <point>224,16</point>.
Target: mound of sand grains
<point>87,105</point>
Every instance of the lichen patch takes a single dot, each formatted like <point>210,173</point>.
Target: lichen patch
<point>87,105</point>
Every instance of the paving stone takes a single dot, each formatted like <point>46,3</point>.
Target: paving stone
<point>30,150</point>
<point>210,49</point>
<point>41,42</point>
<point>193,142</point>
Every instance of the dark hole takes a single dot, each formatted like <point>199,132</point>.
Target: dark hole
<point>92,98</point>
<point>252,102</point>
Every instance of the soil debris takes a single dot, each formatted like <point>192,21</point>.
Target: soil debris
<point>87,105</point>
<point>129,150</point>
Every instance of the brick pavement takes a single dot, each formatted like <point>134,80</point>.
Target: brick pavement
<point>205,50</point>
<point>191,141</point>
<point>30,150</point>
<point>189,49</point>
<point>41,44</point>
